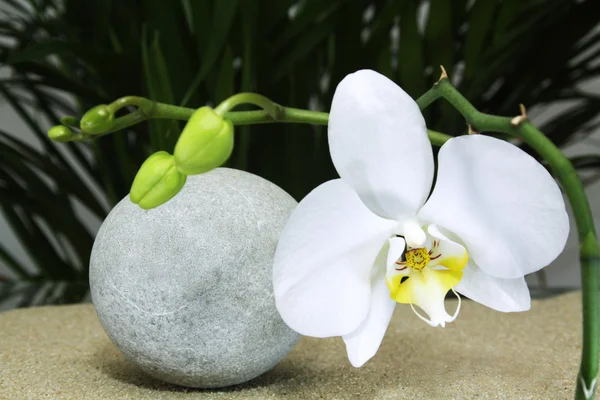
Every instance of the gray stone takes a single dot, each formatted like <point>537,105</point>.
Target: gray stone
<point>185,290</point>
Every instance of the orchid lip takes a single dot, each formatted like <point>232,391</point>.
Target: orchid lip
<point>423,276</point>
<point>441,323</point>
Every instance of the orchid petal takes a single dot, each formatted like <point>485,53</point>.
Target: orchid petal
<point>323,262</point>
<point>396,248</point>
<point>502,204</point>
<point>379,146</point>
<point>506,295</point>
<point>363,343</point>
<point>446,252</point>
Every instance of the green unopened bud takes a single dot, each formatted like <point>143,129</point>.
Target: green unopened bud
<point>60,133</point>
<point>205,143</point>
<point>97,120</point>
<point>156,182</point>
<point>70,121</point>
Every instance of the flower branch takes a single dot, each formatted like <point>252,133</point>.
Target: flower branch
<point>211,131</point>
<point>589,253</point>
<point>148,109</point>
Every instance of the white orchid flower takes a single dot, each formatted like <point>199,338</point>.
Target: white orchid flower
<point>356,246</point>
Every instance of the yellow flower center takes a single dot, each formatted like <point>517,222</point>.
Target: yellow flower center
<point>425,275</point>
<point>417,258</point>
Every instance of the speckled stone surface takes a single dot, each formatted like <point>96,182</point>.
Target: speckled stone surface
<point>63,353</point>
<point>184,290</point>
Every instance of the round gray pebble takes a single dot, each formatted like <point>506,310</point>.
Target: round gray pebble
<point>185,290</point>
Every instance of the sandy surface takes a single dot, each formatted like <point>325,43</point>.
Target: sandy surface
<point>63,353</point>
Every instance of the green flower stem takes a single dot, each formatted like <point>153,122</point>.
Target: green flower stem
<point>287,114</point>
<point>272,108</point>
<point>148,109</point>
<point>437,138</point>
<point>141,102</point>
<point>128,120</point>
<point>589,253</point>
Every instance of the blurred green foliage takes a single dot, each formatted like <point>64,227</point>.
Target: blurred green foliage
<point>197,52</point>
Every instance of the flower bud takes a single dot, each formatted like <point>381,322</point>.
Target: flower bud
<point>205,143</point>
<point>156,182</point>
<point>60,133</point>
<point>97,120</point>
<point>69,121</point>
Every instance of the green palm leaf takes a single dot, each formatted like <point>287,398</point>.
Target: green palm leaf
<point>499,53</point>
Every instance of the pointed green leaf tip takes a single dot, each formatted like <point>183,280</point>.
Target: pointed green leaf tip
<point>60,133</point>
<point>97,120</point>
<point>205,143</point>
<point>156,182</point>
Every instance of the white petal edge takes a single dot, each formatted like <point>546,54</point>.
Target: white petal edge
<point>379,145</point>
<point>506,295</point>
<point>396,248</point>
<point>502,204</point>
<point>323,261</point>
<point>363,343</point>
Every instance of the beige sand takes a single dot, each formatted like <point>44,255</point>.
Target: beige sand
<point>63,353</point>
